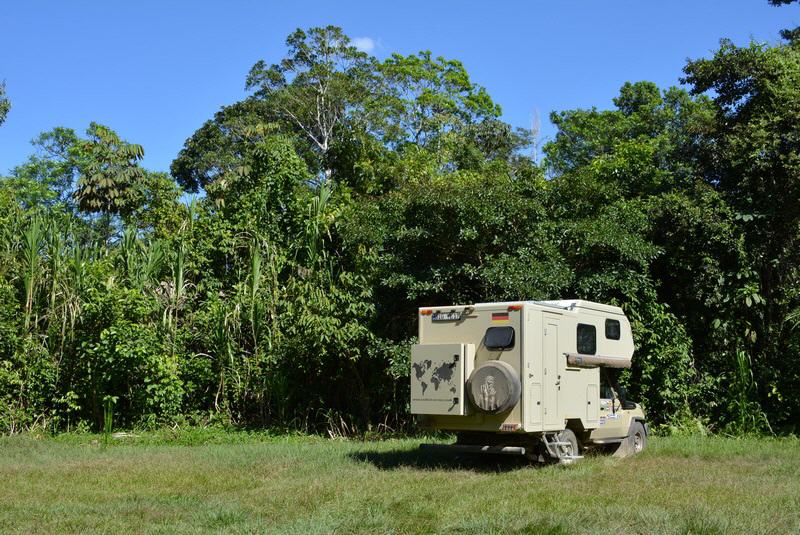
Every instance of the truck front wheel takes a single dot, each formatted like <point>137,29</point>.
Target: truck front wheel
<point>634,443</point>
<point>638,438</point>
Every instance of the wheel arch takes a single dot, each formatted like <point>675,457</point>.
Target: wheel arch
<point>640,420</point>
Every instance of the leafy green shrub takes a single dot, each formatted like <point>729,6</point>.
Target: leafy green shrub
<point>133,362</point>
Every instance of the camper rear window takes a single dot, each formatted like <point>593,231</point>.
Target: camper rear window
<point>612,329</point>
<point>499,338</point>
<point>587,339</point>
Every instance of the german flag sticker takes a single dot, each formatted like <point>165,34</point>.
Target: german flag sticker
<point>499,317</point>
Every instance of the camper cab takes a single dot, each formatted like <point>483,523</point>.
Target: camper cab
<point>525,377</point>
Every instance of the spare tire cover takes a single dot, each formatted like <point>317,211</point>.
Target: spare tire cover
<point>494,387</point>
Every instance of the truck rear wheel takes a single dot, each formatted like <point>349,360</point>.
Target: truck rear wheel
<point>565,448</point>
<point>568,435</point>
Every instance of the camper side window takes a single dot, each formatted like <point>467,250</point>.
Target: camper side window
<point>612,329</point>
<point>587,339</point>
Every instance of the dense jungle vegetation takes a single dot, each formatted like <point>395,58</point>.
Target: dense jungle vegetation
<point>272,278</point>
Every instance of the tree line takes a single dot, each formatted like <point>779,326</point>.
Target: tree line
<point>344,192</point>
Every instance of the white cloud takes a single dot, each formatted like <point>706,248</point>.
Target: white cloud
<point>365,44</point>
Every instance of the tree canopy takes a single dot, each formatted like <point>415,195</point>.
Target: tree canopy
<point>344,192</point>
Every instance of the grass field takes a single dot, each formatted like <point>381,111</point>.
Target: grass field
<point>197,483</point>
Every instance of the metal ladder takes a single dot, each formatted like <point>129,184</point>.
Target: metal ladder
<point>556,447</point>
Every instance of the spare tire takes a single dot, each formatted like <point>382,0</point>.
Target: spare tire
<point>494,387</point>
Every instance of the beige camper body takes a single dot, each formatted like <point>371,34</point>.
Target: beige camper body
<point>523,369</point>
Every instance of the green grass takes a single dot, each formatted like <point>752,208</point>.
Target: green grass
<point>204,482</point>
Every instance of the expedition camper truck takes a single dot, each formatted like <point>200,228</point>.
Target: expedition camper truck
<point>535,378</point>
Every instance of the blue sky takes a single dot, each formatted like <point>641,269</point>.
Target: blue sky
<point>156,70</point>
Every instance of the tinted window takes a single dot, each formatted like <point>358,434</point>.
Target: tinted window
<point>499,338</point>
<point>587,339</point>
<point>612,329</point>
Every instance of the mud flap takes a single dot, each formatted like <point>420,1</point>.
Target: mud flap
<point>625,449</point>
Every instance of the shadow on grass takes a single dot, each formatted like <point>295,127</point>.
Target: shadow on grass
<point>441,460</point>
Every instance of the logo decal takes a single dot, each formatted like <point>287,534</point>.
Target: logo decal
<point>488,393</point>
